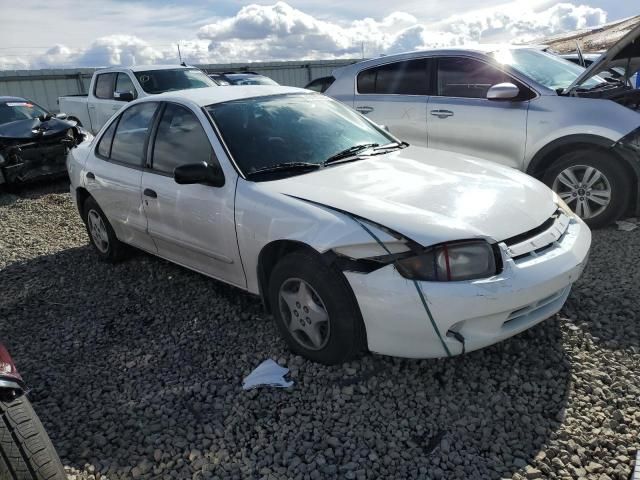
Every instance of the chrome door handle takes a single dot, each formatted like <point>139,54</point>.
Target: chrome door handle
<point>364,110</point>
<point>92,106</point>
<point>441,113</point>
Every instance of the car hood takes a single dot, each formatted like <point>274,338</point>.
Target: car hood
<point>33,128</point>
<point>625,53</point>
<point>429,196</point>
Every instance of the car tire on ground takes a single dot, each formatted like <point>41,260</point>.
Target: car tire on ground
<point>26,452</point>
<point>101,234</point>
<point>593,183</point>
<point>315,310</point>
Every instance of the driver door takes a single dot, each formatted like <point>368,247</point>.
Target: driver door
<point>192,225</point>
<point>461,119</point>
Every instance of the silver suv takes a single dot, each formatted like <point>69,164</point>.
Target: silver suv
<point>575,129</point>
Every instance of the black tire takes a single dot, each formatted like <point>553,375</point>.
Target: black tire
<point>115,250</point>
<point>346,332</point>
<point>614,173</point>
<point>26,452</point>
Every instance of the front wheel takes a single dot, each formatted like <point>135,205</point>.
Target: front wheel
<point>26,452</point>
<point>315,309</point>
<point>594,185</point>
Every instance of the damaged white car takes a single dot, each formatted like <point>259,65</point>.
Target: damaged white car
<point>353,239</point>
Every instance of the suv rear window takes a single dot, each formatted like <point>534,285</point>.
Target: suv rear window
<point>400,78</point>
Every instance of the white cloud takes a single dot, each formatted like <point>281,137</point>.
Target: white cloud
<point>282,32</point>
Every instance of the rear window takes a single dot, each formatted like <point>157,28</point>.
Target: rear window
<point>398,78</point>
<point>160,81</point>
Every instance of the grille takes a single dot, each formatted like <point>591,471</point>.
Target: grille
<point>540,239</point>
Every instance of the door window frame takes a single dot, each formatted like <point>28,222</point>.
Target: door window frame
<point>153,133</point>
<point>114,76</point>
<point>429,77</point>
<point>533,93</point>
<point>116,121</point>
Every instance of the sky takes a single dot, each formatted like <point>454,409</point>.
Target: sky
<point>92,33</point>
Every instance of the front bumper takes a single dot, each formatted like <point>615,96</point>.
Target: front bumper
<point>35,163</point>
<point>484,312</point>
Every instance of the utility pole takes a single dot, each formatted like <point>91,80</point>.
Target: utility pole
<point>179,54</point>
<point>362,49</point>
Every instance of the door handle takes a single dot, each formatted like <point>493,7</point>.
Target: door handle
<point>441,113</point>
<point>150,193</point>
<point>93,107</point>
<point>90,176</point>
<point>364,109</point>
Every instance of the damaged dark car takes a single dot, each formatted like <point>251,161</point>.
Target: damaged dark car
<point>33,142</point>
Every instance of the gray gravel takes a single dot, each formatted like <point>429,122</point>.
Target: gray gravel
<point>136,372</point>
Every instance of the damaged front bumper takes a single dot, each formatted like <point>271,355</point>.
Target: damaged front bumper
<point>529,289</point>
<point>24,163</point>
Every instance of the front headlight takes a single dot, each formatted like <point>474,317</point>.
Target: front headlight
<point>451,262</point>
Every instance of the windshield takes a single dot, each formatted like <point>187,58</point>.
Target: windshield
<point>545,68</point>
<point>251,80</point>
<point>266,131</point>
<point>160,81</point>
<point>19,110</point>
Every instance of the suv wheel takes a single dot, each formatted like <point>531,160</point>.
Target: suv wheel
<point>315,310</point>
<point>593,184</point>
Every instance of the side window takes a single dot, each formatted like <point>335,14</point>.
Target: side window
<point>104,85</point>
<point>466,77</point>
<point>180,139</point>
<point>104,147</point>
<point>124,84</point>
<point>131,133</point>
<point>401,78</point>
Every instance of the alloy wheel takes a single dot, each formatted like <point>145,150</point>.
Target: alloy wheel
<point>585,189</point>
<point>98,231</point>
<point>304,314</point>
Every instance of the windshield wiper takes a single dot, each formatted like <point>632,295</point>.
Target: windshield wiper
<point>390,146</point>
<point>349,152</point>
<point>282,167</point>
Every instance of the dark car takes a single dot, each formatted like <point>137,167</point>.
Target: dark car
<point>320,84</point>
<point>33,142</point>
<point>244,78</point>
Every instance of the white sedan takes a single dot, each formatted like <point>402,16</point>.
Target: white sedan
<point>353,239</point>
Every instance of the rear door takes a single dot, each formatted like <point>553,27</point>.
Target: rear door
<point>102,105</point>
<point>461,119</point>
<point>396,95</point>
<point>192,225</point>
<point>114,174</point>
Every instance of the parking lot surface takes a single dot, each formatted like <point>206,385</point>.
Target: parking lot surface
<point>136,371</point>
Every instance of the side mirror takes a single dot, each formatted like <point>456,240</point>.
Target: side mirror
<point>503,91</point>
<point>202,172</point>
<point>61,116</point>
<point>123,96</point>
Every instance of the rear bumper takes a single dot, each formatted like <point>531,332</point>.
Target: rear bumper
<point>484,312</point>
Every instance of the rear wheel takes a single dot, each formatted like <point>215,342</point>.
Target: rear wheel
<point>594,184</point>
<point>26,452</point>
<point>101,233</point>
<point>315,310</point>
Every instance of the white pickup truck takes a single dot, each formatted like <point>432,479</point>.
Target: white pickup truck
<point>112,87</point>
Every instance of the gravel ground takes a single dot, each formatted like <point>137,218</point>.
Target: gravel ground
<point>137,369</point>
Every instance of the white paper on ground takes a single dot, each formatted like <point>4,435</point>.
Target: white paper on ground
<point>267,374</point>
<point>626,226</point>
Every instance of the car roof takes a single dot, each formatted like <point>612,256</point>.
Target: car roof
<point>4,99</point>
<point>211,95</point>
<point>142,68</point>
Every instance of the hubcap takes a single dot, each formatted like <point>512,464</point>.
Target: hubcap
<point>98,231</point>
<point>304,314</point>
<point>585,189</point>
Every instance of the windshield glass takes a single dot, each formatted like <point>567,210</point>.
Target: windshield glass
<point>19,110</point>
<point>160,81</point>
<point>266,131</point>
<point>251,80</point>
<point>545,68</point>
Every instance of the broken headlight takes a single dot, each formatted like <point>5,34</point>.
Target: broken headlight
<point>451,262</point>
